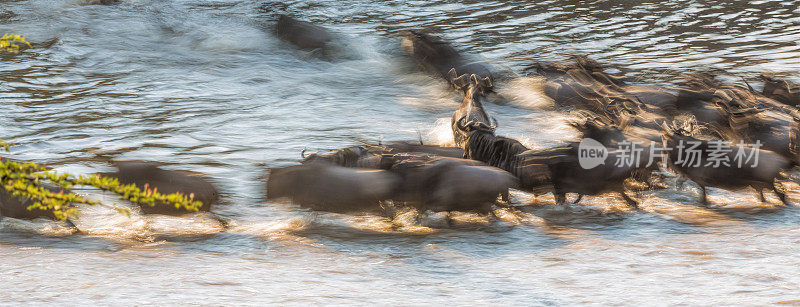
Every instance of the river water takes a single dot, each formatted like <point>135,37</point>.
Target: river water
<point>204,86</point>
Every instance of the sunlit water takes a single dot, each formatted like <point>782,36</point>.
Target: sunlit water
<point>204,86</point>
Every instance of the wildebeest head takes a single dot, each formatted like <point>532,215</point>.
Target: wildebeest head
<point>470,126</point>
<point>355,156</point>
<point>781,90</point>
<point>470,84</point>
<point>593,128</point>
<point>304,35</point>
<point>470,114</point>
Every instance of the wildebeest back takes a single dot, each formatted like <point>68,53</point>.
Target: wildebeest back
<point>141,173</point>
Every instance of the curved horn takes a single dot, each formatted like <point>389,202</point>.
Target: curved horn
<point>452,74</point>
<point>303,153</point>
<point>495,121</point>
<point>748,85</point>
<point>487,84</point>
<point>469,126</point>
<point>483,126</point>
<point>460,125</point>
<point>666,127</point>
<point>473,79</point>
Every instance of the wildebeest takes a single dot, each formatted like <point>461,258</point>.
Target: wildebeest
<point>362,156</point>
<point>470,112</point>
<point>404,172</point>
<point>772,129</point>
<point>302,34</point>
<point>17,207</point>
<point>595,128</point>
<point>697,97</point>
<point>581,67</point>
<point>655,99</point>
<point>569,176</point>
<point>102,2</point>
<point>369,155</point>
<point>585,86</point>
<point>501,152</point>
<point>733,167</point>
<point>435,150</point>
<point>150,175</point>
<point>439,57</point>
<point>781,90</point>
<point>440,184</point>
<point>558,169</point>
<point>324,186</point>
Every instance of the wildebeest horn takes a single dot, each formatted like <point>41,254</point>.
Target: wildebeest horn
<point>469,125</point>
<point>460,125</point>
<point>452,74</point>
<point>748,85</point>
<point>461,82</point>
<point>575,124</point>
<point>303,153</point>
<point>483,126</point>
<point>473,79</point>
<point>486,82</point>
<point>495,121</point>
<point>666,127</point>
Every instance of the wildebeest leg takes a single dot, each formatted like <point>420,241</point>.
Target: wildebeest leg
<point>578,199</point>
<point>505,197</point>
<point>629,200</point>
<point>449,218</point>
<point>703,195</point>
<point>761,195</point>
<point>72,225</point>
<point>493,215</point>
<point>560,197</point>
<point>679,182</point>
<point>223,221</point>
<point>781,192</point>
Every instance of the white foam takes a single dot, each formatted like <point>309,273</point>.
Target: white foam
<point>527,92</point>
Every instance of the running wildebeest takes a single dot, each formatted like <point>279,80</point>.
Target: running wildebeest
<point>557,169</point>
<point>580,66</point>
<point>569,176</point>
<point>781,90</point>
<point>755,168</point>
<point>445,184</point>
<point>471,111</point>
<point>501,152</point>
<point>775,131</point>
<point>585,86</point>
<point>361,177</point>
<point>696,98</point>
<point>328,187</point>
<point>150,175</point>
<point>102,2</point>
<point>368,155</point>
<point>653,98</point>
<point>302,34</point>
<point>363,156</point>
<point>439,57</point>
<point>17,207</point>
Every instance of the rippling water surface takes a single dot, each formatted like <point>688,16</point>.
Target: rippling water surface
<point>203,86</point>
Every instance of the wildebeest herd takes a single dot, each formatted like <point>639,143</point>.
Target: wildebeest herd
<point>483,166</point>
<point>480,170</point>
